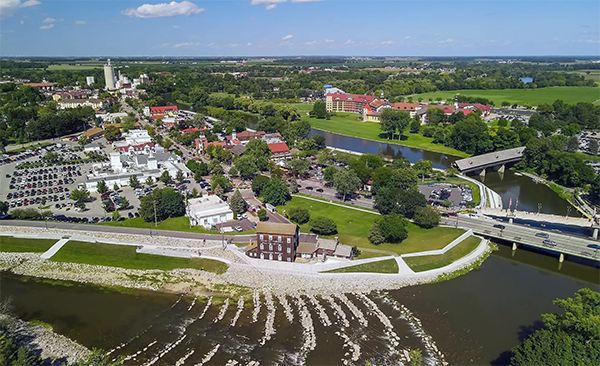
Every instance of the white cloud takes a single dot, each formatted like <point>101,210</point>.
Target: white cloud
<point>387,43</point>
<point>49,20</point>
<point>175,26</point>
<point>22,22</point>
<point>186,44</point>
<point>8,8</point>
<point>249,44</point>
<point>312,43</point>
<point>407,37</point>
<point>328,40</point>
<point>79,22</point>
<point>269,4</point>
<point>163,10</point>
<point>447,40</point>
<point>287,37</point>
<point>306,1</point>
<point>349,42</point>
<point>49,26</point>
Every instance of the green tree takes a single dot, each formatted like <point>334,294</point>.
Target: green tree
<point>111,133</point>
<point>393,121</point>
<point>220,180</point>
<point>83,140</point>
<point>262,214</point>
<point>246,166</point>
<point>165,177</point>
<point>195,193</point>
<point>426,217</point>
<point>51,156</point>
<point>572,144</point>
<point>298,166</point>
<point>299,215</point>
<point>219,191</point>
<point>323,226</point>
<point>593,147</point>
<point>128,123</point>
<point>393,228</point>
<point>237,203</point>
<point>452,172</point>
<point>124,203</point>
<point>346,182</point>
<point>80,194</point>
<point>149,181</point>
<point>106,206</point>
<point>258,183</point>
<point>319,110</point>
<point>375,235</point>
<point>329,174</point>
<point>116,216</point>
<point>102,187</point>
<point>4,207</point>
<point>168,203</point>
<point>179,177</point>
<point>275,192</point>
<point>134,182</point>
<point>415,125</point>
<point>423,167</point>
<point>293,186</point>
<point>116,187</point>
<point>215,167</point>
<point>261,153</point>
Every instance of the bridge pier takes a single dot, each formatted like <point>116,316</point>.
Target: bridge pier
<point>502,168</point>
<point>561,258</point>
<point>482,174</point>
<point>514,247</point>
<point>510,220</point>
<point>595,236</point>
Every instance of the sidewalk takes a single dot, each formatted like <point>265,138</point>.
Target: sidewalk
<point>55,248</point>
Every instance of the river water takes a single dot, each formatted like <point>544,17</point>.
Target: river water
<point>473,319</point>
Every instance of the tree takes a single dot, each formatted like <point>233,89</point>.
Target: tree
<point>328,174</point>
<point>571,337</point>
<point>116,216</point>
<point>293,185</point>
<point>299,215</point>
<point>102,187</point>
<point>106,206</point>
<point>393,120</point>
<point>323,226</point>
<point>219,191</point>
<point>319,110</point>
<point>195,192</point>
<point>168,203</point>
<point>572,144</point>
<point>345,182</point>
<point>246,166</point>
<point>179,177</point>
<point>261,153</point>
<point>83,140</point>
<point>237,203</point>
<point>134,182</point>
<point>423,167</point>
<point>149,181</point>
<point>319,142</point>
<point>124,203</point>
<point>426,217</point>
<point>165,177</point>
<point>375,235</point>
<point>51,156</point>
<point>452,172</point>
<point>80,194</point>
<point>111,133</point>
<point>393,228</point>
<point>128,123</point>
<point>415,125</point>
<point>198,120</point>
<point>276,192</point>
<point>258,183</point>
<point>262,214</point>
<point>215,167</point>
<point>220,180</point>
<point>593,147</point>
<point>4,207</point>
<point>298,166</point>
<point>116,187</point>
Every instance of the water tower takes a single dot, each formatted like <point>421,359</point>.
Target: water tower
<point>109,76</point>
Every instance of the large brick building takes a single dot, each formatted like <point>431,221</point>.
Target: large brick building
<point>352,103</point>
<point>274,241</point>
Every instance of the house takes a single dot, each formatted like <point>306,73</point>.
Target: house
<point>74,103</point>
<point>202,144</point>
<point>163,110</point>
<point>372,111</point>
<point>422,113</point>
<point>352,103</point>
<point>274,241</point>
<point>94,133</point>
<point>208,211</point>
<point>311,246</point>
<point>279,150</point>
<point>42,86</point>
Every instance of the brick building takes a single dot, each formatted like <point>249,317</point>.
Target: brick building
<point>274,241</point>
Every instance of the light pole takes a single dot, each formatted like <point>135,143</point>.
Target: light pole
<point>568,211</point>
<point>539,207</point>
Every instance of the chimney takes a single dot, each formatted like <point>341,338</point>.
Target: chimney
<point>234,135</point>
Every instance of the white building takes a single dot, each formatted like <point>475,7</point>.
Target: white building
<point>208,211</point>
<point>109,76</point>
<point>89,80</point>
<point>74,103</point>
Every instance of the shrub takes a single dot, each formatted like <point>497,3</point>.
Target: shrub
<point>323,226</point>
<point>299,215</point>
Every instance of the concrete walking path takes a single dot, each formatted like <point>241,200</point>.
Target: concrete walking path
<point>55,248</point>
<point>337,204</point>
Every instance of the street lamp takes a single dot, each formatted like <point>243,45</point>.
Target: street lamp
<point>539,207</point>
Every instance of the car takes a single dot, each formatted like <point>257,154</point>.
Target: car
<point>549,243</point>
<point>499,226</point>
<point>238,228</point>
<point>254,225</point>
<point>319,189</point>
<point>542,235</point>
<point>594,246</point>
<point>309,188</point>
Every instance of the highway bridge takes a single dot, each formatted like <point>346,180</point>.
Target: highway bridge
<point>499,159</point>
<point>523,235</point>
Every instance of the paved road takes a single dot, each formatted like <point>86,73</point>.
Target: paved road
<point>524,235</point>
<point>124,230</point>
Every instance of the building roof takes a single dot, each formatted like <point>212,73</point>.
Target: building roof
<point>248,135</point>
<point>327,244</point>
<point>483,108</point>
<point>236,149</point>
<point>279,147</point>
<point>208,205</point>
<point>307,238</point>
<point>190,130</point>
<point>485,159</point>
<point>343,250</point>
<point>93,131</point>
<point>163,110</point>
<point>337,96</point>
<point>406,106</point>
<point>275,228</point>
<point>306,248</point>
<point>79,101</point>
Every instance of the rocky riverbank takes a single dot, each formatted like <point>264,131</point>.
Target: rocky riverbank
<point>51,345</point>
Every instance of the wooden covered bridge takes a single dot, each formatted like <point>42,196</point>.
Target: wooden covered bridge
<point>498,159</point>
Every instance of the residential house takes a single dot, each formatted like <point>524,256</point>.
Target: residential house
<point>279,150</point>
<point>311,246</point>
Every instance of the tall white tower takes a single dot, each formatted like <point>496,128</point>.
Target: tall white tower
<point>109,76</point>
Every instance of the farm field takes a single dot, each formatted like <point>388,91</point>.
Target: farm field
<point>568,94</point>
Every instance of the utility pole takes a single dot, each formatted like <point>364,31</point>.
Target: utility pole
<point>155,221</point>
<point>568,211</point>
<point>539,207</point>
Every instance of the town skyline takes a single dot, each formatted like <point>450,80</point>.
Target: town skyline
<point>254,28</point>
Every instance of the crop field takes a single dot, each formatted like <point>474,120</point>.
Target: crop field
<point>569,94</point>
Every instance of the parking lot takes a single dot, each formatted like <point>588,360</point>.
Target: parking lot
<point>439,192</point>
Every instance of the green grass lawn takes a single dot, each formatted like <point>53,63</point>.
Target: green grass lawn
<point>349,124</point>
<point>12,244</point>
<point>124,256</point>
<point>569,94</point>
<point>303,108</point>
<point>173,224</point>
<point>387,266</point>
<point>427,262</point>
<point>67,67</point>
<point>353,228</point>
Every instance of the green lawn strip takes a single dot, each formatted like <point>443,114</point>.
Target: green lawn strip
<point>349,124</point>
<point>354,226</point>
<point>124,256</point>
<point>365,253</point>
<point>336,202</point>
<point>173,224</point>
<point>12,244</point>
<point>428,262</point>
<point>569,94</point>
<point>387,266</point>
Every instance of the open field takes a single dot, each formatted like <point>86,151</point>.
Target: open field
<point>349,124</point>
<point>425,263</point>
<point>12,244</point>
<point>173,224</point>
<point>124,256</point>
<point>303,108</point>
<point>63,67</point>
<point>589,74</point>
<point>387,266</point>
<point>353,229</point>
<point>569,94</point>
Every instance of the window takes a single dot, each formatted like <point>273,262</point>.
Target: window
<point>279,238</point>
<point>271,256</point>
<point>270,237</point>
<point>279,257</point>
<point>289,250</point>
<point>289,240</point>
<point>279,248</point>
<point>262,256</point>
<point>262,247</point>
<point>289,259</point>
<point>270,246</point>
<point>262,236</point>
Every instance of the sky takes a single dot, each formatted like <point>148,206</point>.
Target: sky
<point>299,27</point>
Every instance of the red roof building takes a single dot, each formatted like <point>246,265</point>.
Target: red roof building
<point>341,102</point>
<point>163,110</point>
<point>279,150</point>
<point>190,130</point>
<point>147,146</point>
<point>202,144</point>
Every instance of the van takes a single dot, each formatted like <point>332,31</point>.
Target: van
<point>270,207</point>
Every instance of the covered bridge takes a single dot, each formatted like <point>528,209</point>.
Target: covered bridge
<point>497,158</point>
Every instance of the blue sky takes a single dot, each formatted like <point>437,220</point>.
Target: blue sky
<point>298,27</point>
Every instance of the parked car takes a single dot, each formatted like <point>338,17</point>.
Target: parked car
<point>238,228</point>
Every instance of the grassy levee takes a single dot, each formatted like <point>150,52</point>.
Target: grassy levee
<point>569,94</point>
<point>353,228</point>
<point>386,266</point>
<point>12,244</point>
<point>125,256</point>
<point>173,224</point>
<point>427,262</point>
<point>348,124</point>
